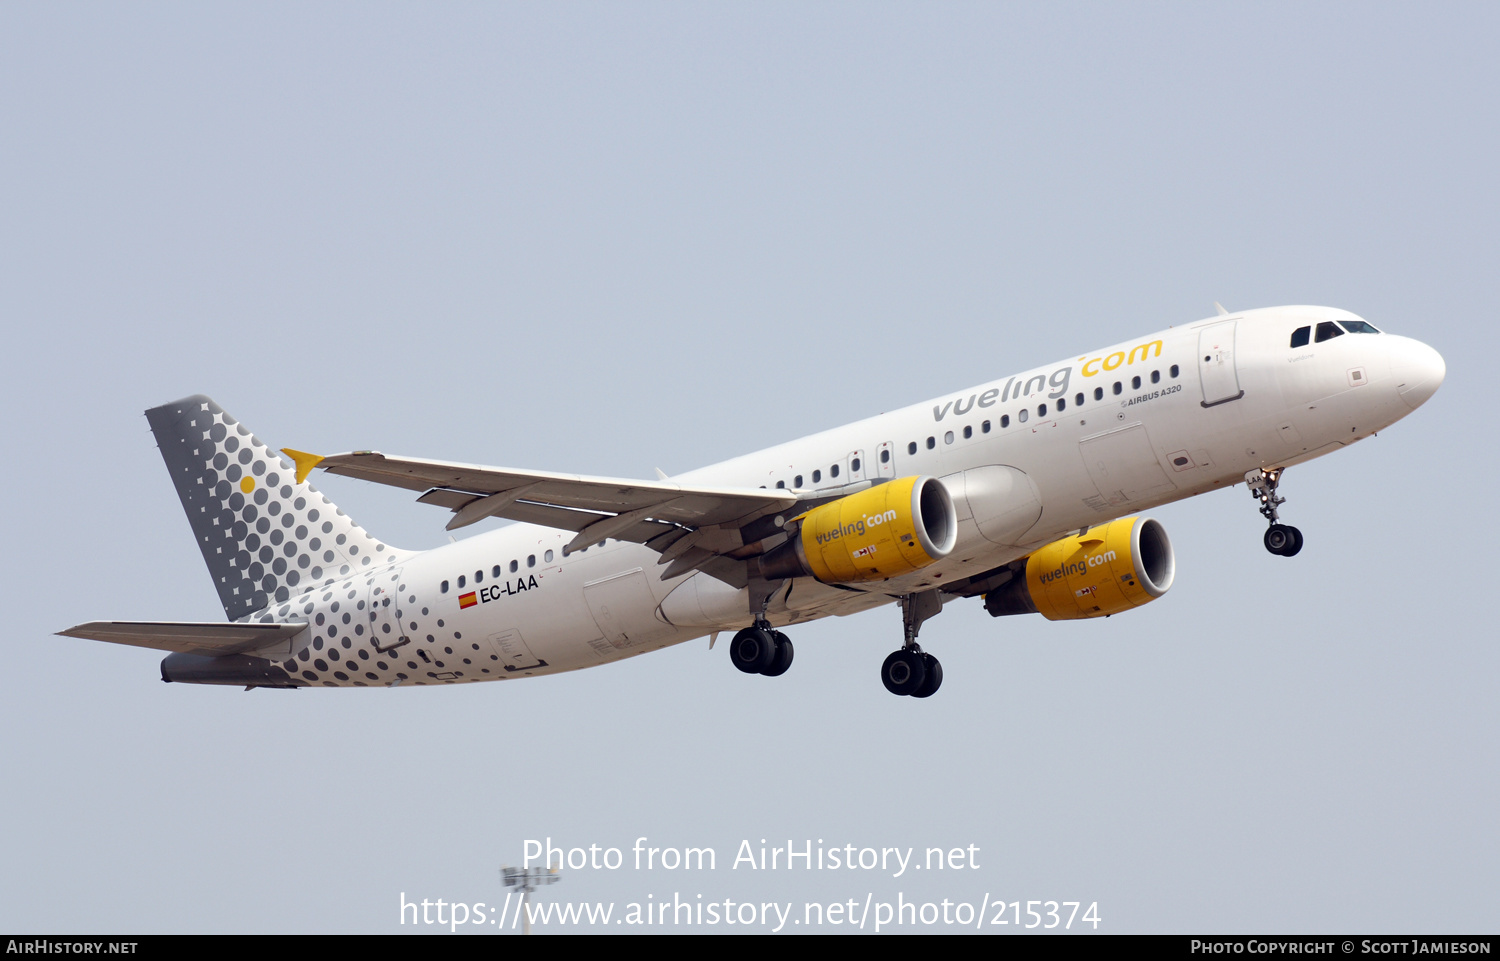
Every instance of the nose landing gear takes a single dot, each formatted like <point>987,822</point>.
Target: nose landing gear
<point>1281,539</point>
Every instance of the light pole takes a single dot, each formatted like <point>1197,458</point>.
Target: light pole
<point>527,880</point>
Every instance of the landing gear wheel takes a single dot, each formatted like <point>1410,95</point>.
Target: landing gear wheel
<point>1283,540</point>
<point>934,677</point>
<point>903,672</point>
<point>753,650</point>
<point>1280,539</point>
<point>783,658</point>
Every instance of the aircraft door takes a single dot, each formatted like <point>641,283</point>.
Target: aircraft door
<point>885,461</point>
<point>383,602</point>
<point>1221,382</point>
<point>855,464</point>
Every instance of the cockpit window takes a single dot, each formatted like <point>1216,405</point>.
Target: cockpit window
<point>1328,330</point>
<point>1300,335</point>
<point>1357,327</point>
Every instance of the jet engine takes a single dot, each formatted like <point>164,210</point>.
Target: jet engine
<point>1105,570</point>
<point>883,532</point>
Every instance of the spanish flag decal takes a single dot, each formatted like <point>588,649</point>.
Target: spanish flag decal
<point>466,601</point>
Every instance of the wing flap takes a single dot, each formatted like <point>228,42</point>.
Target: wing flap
<point>449,498</point>
<point>445,484</point>
<point>210,639</point>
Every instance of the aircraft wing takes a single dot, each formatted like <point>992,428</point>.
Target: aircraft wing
<point>211,639</point>
<point>657,513</point>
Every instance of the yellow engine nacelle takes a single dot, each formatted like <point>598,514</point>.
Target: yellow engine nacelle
<point>883,532</point>
<point>1108,569</point>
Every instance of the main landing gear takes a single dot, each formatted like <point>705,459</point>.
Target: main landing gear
<point>912,672</point>
<point>1281,539</point>
<point>761,650</point>
<point>909,672</point>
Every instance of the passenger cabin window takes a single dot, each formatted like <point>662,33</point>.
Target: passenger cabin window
<point>1022,415</point>
<point>1004,420</point>
<point>1357,327</point>
<point>443,588</point>
<point>781,485</point>
<point>834,470</point>
<point>495,572</point>
<point>515,566</point>
<point>817,476</point>
<point>1098,393</point>
<point>1135,383</point>
<point>548,557</point>
<point>1156,377</point>
<point>1173,371</point>
<point>948,437</point>
<point>479,577</point>
<point>911,448</point>
<point>968,432</point>
<point>1300,335</point>
<point>854,464</point>
<point>531,560</point>
<point>461,582</point>
<point>1062,403</point>
<point>1041,410</point>
<point>797,481</point>
<point>931,443</point>
<point>1327,330</point>
<point>985,427</point>
<point>1118,387</point>
<point>885,457</point>
<point>1078,400</point>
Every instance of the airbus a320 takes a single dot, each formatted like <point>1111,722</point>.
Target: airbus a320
<point>1025,491</point>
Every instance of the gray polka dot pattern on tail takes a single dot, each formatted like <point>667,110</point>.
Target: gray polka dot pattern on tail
<point>280,551</point>
<point>264,537</point>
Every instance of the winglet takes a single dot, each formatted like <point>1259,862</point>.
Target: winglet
<point>305,462</point>
<point>1222,311</point>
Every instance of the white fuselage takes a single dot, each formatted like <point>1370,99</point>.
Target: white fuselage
<point>1071,444</point>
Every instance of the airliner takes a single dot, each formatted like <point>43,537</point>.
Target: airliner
<point>1025,491</point>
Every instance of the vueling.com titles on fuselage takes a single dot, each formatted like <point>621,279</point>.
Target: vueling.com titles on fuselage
<point>1057,381</point>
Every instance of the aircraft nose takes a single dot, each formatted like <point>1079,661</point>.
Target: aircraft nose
<point>1419,371</point>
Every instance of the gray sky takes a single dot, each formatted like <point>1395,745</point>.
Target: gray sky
<point>608,238</point>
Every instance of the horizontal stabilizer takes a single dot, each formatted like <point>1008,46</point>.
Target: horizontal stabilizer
<point>210,639</point>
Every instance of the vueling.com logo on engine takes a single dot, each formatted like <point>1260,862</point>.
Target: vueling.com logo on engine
<point>855,528</point>
<point>1075,568</point>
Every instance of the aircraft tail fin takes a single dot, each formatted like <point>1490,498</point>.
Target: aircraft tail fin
<point>264,536</point>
